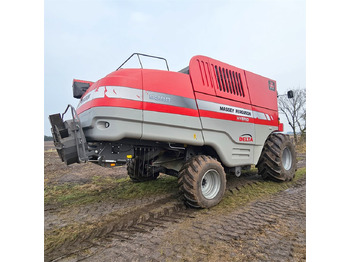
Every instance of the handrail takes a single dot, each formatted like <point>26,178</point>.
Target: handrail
<point>79,139</point>
<point>138,56</point>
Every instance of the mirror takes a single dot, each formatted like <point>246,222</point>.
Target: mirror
<point>79,88</point>
<point>290,94</point>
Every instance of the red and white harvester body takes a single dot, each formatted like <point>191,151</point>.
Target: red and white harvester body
<point>198,124</point>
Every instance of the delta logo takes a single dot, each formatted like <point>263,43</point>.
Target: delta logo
<point>246,138</point>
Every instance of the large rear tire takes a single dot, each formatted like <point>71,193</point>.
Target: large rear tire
<point>277,161</point>
<point>138,172</point>
<point>202,180</point>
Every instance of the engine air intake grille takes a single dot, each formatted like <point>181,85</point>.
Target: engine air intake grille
<point>215,78</point>
<point>229,81</point>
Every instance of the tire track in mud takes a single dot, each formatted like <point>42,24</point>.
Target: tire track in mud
<point>270,229</point>
<point>56,218</point>
<point>145,218</point>
<point>115,222</point>
<point>125,217</point>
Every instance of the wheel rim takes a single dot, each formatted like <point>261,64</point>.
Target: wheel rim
<point>287,158</point>
<point>211,184</point>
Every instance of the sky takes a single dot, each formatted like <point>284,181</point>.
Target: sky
<point>87,39</point>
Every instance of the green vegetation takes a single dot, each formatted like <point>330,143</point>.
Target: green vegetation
<point>301,147</point>
<point>101,189</point>
<point>104,189</point>
<point>255,191</point>
<point>48,138</point>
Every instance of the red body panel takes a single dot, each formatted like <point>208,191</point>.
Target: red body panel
<point>125,77</point>
<point>170,109</point>
<point>110,102</point>
<point>271,116</point>
<point>225,80</point>
<point>280,127</point>
<point>167,82</point>
<point>202,76</point>
<point>211,89</point>
<point>263,92</point>
<point>222,101</point>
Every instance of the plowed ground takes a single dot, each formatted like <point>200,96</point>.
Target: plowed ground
<point>121,221</point>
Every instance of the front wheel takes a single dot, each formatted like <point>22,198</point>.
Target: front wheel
<point>278,158</point>
<point>202,180</point>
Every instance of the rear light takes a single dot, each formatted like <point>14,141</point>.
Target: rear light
<point>280,126</point>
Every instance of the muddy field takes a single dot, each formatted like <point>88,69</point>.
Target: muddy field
<point>97,214</point>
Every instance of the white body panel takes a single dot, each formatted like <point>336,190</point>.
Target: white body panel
<point>222,135</point>
<point>174,128</point>
<point>123,123</point>
<point>138,124</point>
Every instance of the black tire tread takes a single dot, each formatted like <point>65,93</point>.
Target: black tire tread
<point>137,173</point>
<point>187,178</point>
<point>270,161</point>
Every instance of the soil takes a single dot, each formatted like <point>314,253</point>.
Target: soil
<point>162,228</point>
<point>57,173</point>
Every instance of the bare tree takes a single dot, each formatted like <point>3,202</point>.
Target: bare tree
<point>295,111</point>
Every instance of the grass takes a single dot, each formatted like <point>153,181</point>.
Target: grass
<point>255,191</point>
<point>101,189</point>
<point>301,147</point>
<point>220,250</point>
<point>108,188</point>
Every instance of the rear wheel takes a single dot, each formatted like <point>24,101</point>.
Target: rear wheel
<point>138,171</point>
<point>202,180</point>
<point>278,159</point>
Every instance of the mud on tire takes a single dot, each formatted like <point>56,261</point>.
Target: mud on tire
<point>137,171</point>
<point>277,161</point>
<point>202,180</point>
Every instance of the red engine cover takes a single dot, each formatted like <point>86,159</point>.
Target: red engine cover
<point>212,77</point>
<point>263,92</point>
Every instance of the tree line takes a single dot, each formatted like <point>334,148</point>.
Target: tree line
<point>48,138</point>
<point>295,111</point>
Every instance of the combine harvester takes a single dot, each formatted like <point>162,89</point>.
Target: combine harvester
<point>197,124</point>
